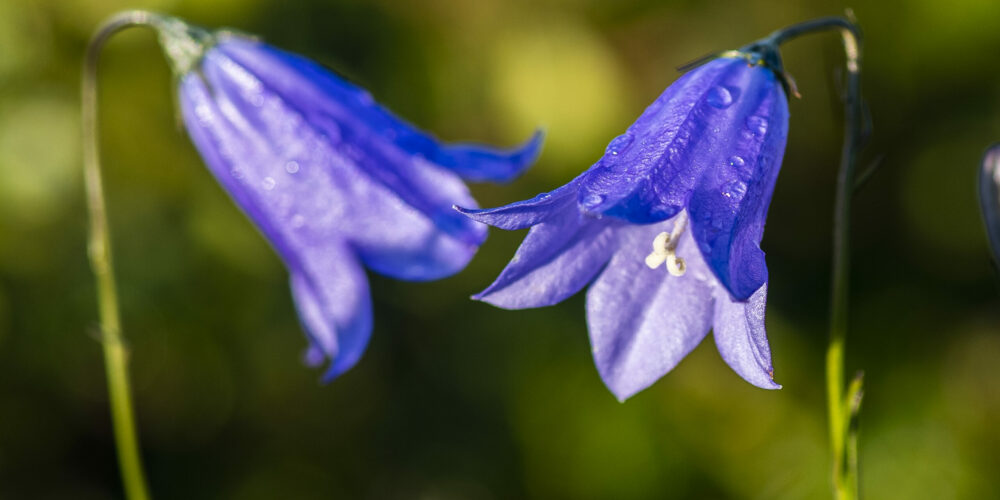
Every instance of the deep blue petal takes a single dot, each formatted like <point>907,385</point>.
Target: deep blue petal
<point>729,205</point>
<point>307,84</point>
<point>479,163</point>
<point>647,174</point>
<point>527,213</point>
<point>331,294</point>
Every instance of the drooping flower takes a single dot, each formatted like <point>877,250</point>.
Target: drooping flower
<point>688,184</point>
<point>332,179</point>
<point>989,198</point>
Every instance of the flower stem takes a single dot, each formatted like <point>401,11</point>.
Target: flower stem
<point>842,410</point>
<point>115,350</point>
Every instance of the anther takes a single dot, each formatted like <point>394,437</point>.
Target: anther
<point>676,265</point>
<point>665,246</point>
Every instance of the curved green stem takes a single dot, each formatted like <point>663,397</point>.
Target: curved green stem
<point>115,351</point>
<point>842,410</point>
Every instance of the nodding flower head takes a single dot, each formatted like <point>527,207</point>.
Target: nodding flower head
<point>989,197</point>
<point>332,179</point>
<point>687,185</point>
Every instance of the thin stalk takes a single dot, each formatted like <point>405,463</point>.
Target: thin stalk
<point>115,350</point>
<point>841,412</point>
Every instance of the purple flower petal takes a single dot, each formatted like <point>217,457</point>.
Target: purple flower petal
<point>332,180</point>
<point>557,259</point>
<point>308,85</point>
<point>710,147</point>
<point>643,321</point>
<point>739,334</point>
<point>317,190</point>
<point>527,213</point>
<point>477,163</point>
<point>729,205</point>
<point>647,174</point>
<point>331,294</point>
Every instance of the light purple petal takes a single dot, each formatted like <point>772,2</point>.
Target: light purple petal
<point>729,205</point>
<point>331,294</point>
<point>556,260</point>
<point>643,321</point>
<point>741,337</point>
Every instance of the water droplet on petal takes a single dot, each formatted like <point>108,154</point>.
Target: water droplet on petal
<point>719,97</point>
<point>298,220</point>
<point>592,200</point>
<point>291,166</point>
<point>204,114</point>
<point>257,100</point>
<point>269,183</point>
<point>619,144</point>
<point>237,173</point>
<point>735,189</point>
<point>736,161</point>
<point>757,124</point>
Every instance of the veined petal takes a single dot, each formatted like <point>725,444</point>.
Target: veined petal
<point>557,259</point>
<point>527,213</point>
<point>729,205</point>
<point>649,172</point>
<point>288,174</point>
<point>643,321</point>
<point>330,287</point>
<point>309,85</point>
<point>331,294</point>
<point>740,335</point>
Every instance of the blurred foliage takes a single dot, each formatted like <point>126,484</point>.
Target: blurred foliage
<point>456,399</point>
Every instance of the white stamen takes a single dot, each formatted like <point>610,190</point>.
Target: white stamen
<point>665,246</point>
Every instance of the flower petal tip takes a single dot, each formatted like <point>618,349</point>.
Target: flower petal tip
<point>478,163</point>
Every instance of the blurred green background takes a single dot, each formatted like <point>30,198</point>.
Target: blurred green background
<point>455,399</point>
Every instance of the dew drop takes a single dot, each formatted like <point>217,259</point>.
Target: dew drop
<point>735,189</point>
<point>719,97</point>
<point>736,161</point>
<point>757,124</point>
<point>298,220</point>
<point>204,114</point>
<point>257,100</point>
<point>269,183</point>
<point>592,200</point>
<point>619,144</point>
<point>291,166</point>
